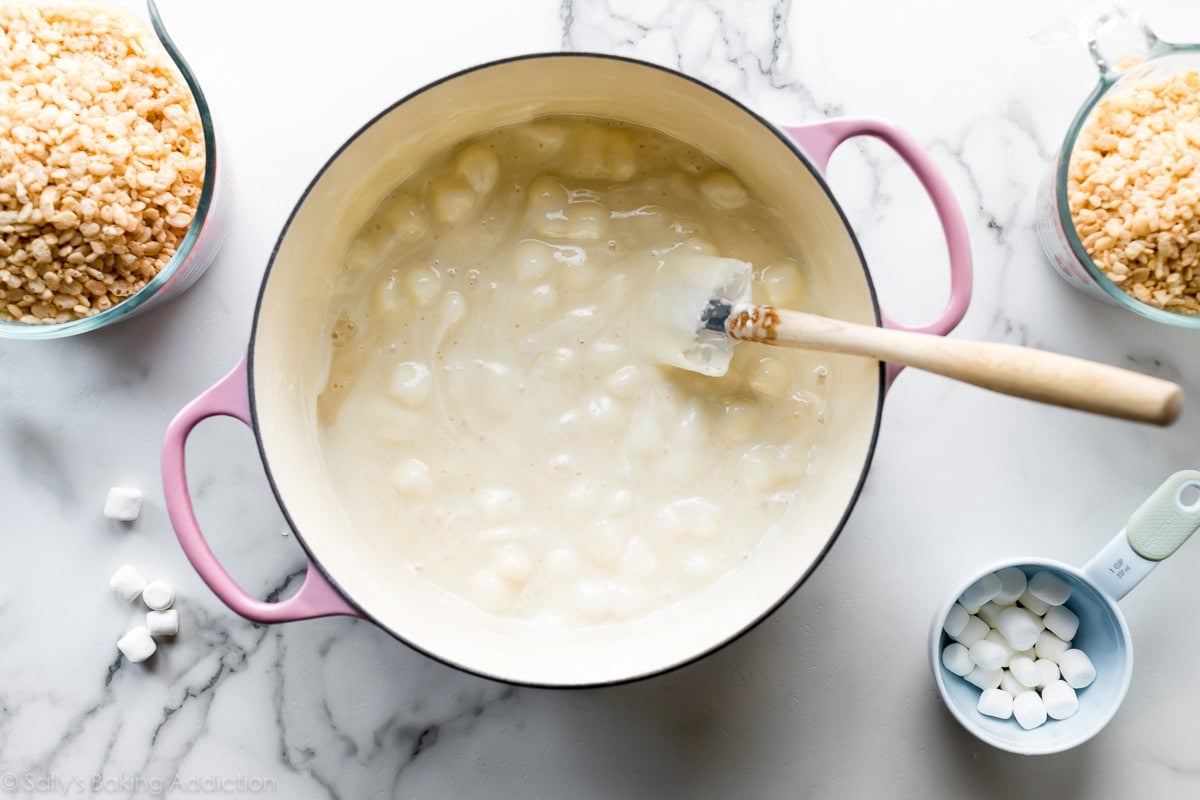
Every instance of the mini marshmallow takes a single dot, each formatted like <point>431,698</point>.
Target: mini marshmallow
<point>1025,671</point>
<point>985,678</point>
<point>1049,588</point>
<point>162,623</point>
<point>1011,685</point>
<point>158,595</point>
<point>1019,627</point>
<point>1034,604</point>
<point>1060,700</point>
<point>1077,669</point>
<point>127,582</point>
<point>1012,586</point>
<point>989,612</point>
<point>980,592</point>
<point>1029,710</point>
<point>973,631</point>
<point>123,503</point>
<point>137,644</point>
<point>956,620</point>
<point>1051,647</point>
<point>1062,622</point>
<point>1047,671</point>
<point>988,655</point>
<point>1030,654</point>
<point>956,659</point>
<point>996,703</point>
<point>997,638</point>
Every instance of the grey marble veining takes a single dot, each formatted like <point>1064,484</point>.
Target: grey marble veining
<point>831,696</point>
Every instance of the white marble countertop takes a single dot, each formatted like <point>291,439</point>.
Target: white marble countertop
<point>832,696</point>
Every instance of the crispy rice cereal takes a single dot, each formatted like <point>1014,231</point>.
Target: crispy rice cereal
<point>101,159</point>
<point>1134,190</point>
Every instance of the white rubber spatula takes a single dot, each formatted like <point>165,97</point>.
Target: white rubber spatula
<point>700,306</point>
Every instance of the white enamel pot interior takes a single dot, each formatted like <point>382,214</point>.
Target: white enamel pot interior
<point>289,356</point>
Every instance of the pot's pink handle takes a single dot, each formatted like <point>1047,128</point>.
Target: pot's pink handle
<point>818,140</point>
<point>316,598</point>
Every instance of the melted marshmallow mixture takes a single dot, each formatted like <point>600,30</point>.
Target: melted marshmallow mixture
<point>487,414</point>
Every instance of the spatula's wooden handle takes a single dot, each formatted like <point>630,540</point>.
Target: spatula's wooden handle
<point>1019,371</point>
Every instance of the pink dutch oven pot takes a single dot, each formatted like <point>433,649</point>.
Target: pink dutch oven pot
<point>273,390</point>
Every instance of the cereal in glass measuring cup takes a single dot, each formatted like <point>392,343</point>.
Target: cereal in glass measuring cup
<point>1118,214</point>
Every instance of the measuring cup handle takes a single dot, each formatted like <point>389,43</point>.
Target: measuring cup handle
<point>1156,530</point>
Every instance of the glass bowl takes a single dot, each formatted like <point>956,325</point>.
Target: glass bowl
<point>198,247</point>
<point>1126,52</point>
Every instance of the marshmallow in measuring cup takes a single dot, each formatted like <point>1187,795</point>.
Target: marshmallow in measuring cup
<point>1051,647</point>
<point>1029,709</point>
<point>1062,622</point>
<point>956,620</point>
<point>989,655</point>
<point>1025,670</point>
<point>1019,627</point>
<point>957,659</point>
<point>1077,669</point>
<point>996,703</point>
<point>1012,586</point>
<point>1060,700</point>
<point>1049,588</point>
<point>974,630</point>
<point>980,592</point>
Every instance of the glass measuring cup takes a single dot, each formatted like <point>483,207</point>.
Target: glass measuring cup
<point>1156,530</point>
<point>199,246</point>
<point>1126,52</point>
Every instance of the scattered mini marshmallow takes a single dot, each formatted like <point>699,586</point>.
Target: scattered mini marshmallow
<point>1077,669</point>
<point>956,620</point>
<point>1012,586</point>
<point>1035,604</point>
<point>1011,685</point>
<point>1024,669</point>
<point>137,645</point>
<point>1049,588</point>
<point>989,612</point>
<point>973,631</point>
<point>995,637</point>
<point>996,703</point>
<point>980,592</point>
<point>158,595</point>
<point>1060,700</point>
<point>957,659</point>
<point>1029,710</point>
<point>162,623</point>
<point>988,655</point>
<point>123,504</point>
<point>1019,627</point>
<point>1047,671</point>
<point>1062,622</point>
<point>985,678</point>
<point>1051,647</point>
<point>127,582</point>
